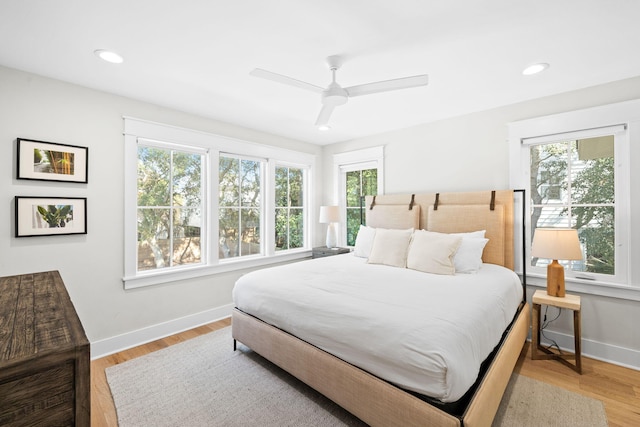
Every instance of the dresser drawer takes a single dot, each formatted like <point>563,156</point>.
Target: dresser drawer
<point>36,396</point>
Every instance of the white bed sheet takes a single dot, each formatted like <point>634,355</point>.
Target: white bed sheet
<point>422,332</point>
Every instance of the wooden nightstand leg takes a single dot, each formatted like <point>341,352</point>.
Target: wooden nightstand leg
<point>535,331</point>
<point>577,338</point>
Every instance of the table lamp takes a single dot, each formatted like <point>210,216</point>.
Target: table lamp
<point>330,215</point>
<point>555,244</point>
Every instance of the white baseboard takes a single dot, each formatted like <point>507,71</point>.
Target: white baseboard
<point>138,337</point>
<point>609,353</point>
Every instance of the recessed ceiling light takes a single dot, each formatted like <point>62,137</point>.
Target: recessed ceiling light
<point>324,128</point>
<point>535,68</point>
<point>109,56</point>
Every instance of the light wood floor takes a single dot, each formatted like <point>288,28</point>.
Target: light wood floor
<point>617,387</point>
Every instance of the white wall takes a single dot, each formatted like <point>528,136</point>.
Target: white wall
<point>92,265</point>
<point>471,153</point>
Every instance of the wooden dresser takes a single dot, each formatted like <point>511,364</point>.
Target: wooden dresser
<point>44,354</point>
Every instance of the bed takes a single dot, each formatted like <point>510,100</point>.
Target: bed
<point>310,318</point>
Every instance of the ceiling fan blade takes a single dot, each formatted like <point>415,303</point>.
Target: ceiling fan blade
<point>259,72</point>
<point>325,114</point>
<point>386,85</point>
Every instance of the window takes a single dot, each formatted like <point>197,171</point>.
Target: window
<point>359,183</point>
<point>240,206</point>
<point>198,204</point>
<point>170,206</point>
<point>576,168</point>
<point>358,173</point>
<point>290,218</point>
<point>573,185</point>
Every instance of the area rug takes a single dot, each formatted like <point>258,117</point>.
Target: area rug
<point>531,403</point>
<point>203,382</point>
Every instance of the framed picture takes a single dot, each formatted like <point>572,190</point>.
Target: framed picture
<point>50,216</point>
<point>47,161</point>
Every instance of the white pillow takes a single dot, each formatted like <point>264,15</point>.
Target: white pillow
<point>364,241</point>
<point>433,252</point>
<point>468,258</point>
<point>390,247</point>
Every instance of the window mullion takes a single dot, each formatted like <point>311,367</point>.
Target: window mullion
<point>213,207</point>
<point>171,207</point>
<point>569,184</point>
<point>239,206</point>
<point>268,208</point>
<point>288,208</point>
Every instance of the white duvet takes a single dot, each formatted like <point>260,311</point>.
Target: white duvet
<point>422,332</point>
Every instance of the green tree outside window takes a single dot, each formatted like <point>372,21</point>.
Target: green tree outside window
<point>240,206</point>
<point>169,208</point>
<point>289,193</point>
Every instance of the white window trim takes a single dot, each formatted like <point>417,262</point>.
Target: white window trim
<point>603,119</point>
<point>204,189</point>
<point>367,158</point>
<point>135,129</point>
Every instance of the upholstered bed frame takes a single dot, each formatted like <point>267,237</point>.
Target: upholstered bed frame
<point>373,400</point>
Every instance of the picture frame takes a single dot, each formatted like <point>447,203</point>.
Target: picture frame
<point>50,216</point>
<point>49,161</point>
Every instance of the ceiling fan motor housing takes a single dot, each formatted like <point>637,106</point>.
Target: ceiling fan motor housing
<point>334,95</point>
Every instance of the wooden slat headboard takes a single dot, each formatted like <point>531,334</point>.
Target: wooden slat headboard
<point>458,213</point>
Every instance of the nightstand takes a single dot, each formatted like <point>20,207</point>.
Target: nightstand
<point>324,251</point>
<point>570,302</point>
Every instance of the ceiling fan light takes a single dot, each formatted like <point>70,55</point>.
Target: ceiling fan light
<point>535,68</point>
<point>109,56</point>
<point>324,128</point>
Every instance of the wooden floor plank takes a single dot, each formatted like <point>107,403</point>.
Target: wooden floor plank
<point>617,387</point>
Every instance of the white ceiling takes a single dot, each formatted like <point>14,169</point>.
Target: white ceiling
<point>196,55</point>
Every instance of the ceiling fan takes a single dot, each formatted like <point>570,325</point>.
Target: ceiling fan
<point>334,94</point>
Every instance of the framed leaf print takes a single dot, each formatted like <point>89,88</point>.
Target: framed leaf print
<point>49,216</point>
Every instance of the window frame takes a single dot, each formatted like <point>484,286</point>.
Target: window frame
<point>263,172</point>
<point>621,232</point>
<point>623,121</point>
<point>204,195</point>
<point>135,129</point>
<point>368,158</point>
<point>305,202</point>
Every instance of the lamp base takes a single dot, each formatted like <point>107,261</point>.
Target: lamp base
<point>331,241</point>
<point>555,279</point>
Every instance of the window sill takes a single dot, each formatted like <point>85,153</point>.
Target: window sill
<point>160,277</point>
<point>589,287</point>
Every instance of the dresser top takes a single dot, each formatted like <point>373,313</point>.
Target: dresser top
<point>36,317</point>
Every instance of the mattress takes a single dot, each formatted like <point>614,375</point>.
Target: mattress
<point>422,332</point>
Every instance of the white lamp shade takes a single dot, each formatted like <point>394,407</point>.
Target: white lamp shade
<point>329,214</point>
<point>556,243</point>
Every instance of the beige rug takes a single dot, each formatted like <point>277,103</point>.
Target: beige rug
<point>203,382</point>
<point>531,403</point>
